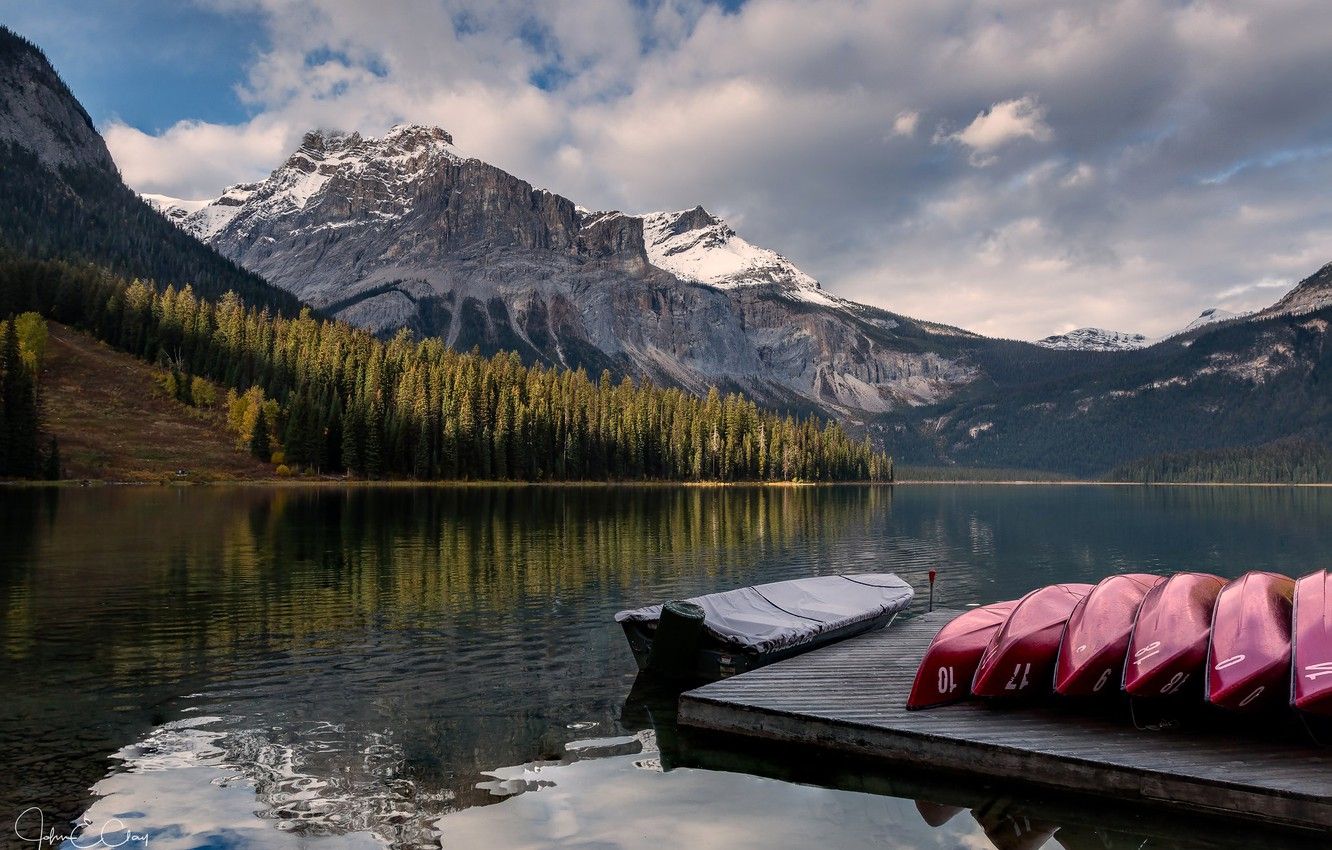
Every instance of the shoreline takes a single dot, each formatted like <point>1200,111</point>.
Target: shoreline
<point>398,483</point>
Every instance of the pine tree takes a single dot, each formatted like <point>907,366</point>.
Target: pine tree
<point>51,468</point>
<point>353,439</point>
<point>374,438</point>
<point>19,397</point>
<point>260,446</point>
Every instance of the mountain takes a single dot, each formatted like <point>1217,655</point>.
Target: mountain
<point>1094,339</point>
<point>1312,294</point>
<point>175,210</point>
<point>1248,381</point>
<point>63,197</point>
<point>1097,339</point>
<point>694,245</point>
<point>403,231</point>
<point>1210,316</point>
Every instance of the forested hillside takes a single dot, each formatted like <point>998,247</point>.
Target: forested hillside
<point>1242,384</point>
<point>332,398</point>
<point>1282,462</point>
<point>61,196</point>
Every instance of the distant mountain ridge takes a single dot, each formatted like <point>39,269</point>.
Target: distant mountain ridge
<point>1099,339</point>
<point>1094,339</point>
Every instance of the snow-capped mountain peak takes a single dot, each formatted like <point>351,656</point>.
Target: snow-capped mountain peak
<point>400,157</point>
<point>176,210</point>
<point>1210,316</point>
<point>695,245</point>
<point>1095,339</point>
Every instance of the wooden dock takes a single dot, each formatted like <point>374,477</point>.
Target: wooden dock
<point>851,697</point>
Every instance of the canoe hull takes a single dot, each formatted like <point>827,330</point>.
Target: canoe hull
<point>1311,638</point>
<point>1092,650</point>
<point>1248,663</point>
<point>1168,647</point>
<point>1019,660</point>
<point>950,662</point>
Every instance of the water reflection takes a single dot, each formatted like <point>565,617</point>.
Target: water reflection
<point>396,665</point>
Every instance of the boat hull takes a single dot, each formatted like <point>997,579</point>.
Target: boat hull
<point>1248,663</point>
<point>1168,647</point>
<point>745,628</point>
<point>718,661</point>
<point>1095,642</point>
<point>1311,638</point>
<point>1019,660</point>
<point>950,662</point>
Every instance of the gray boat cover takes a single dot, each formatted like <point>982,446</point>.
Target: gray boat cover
<point>768,617</point>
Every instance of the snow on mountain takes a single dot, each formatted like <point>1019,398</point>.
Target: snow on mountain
<point>1312,293</point>
<point>1094,339</point>
<point>166,203</point>
<point>401,157</point>
<point>176,210</point>
<point>1210,316</point>
<point>1097,339</point>
<point>697,246</point>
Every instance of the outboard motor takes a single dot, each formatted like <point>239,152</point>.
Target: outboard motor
<point>679,637</point>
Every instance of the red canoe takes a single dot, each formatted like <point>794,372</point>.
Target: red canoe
<point>1169,644</point>
<point>1020,658</point>
<point>950,662</point>
<point>1091,653</point>
<point>1248,663</point>
<point>1311,675</point>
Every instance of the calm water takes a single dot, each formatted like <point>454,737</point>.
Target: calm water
<point>280,668</point>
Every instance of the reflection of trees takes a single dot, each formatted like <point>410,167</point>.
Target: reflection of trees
<point>464,619</point>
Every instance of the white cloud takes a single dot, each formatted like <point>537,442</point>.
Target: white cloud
<point>905,123</point>
<point>1004,122</point>
<point>193,159</point>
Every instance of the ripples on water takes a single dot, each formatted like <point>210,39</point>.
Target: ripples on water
<point>255,667</point>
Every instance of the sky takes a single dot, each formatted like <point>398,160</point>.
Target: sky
<point>1015,167</point>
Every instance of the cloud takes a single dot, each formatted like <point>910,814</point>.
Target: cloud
<point>1142,159</point>
<point>905,123</point>
<point>1004,122</point>
<point>194,159</point>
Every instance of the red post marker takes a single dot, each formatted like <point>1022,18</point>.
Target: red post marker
<point>933,574</point>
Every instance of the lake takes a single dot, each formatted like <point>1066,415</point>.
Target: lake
<point>326,667</point>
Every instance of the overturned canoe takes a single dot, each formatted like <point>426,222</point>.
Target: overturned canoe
<point>1092,650</point>
<point>950,663</point>
<point>738,630</point>
<point>1311,638</point>
<point>1019,660</point>
<point>1170,635</point>
<point>1248,660</point>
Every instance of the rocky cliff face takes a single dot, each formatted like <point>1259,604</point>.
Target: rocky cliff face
<point>38,112</point>
<point>404,232</point>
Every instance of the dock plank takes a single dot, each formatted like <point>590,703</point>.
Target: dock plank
<point>851,697</point>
